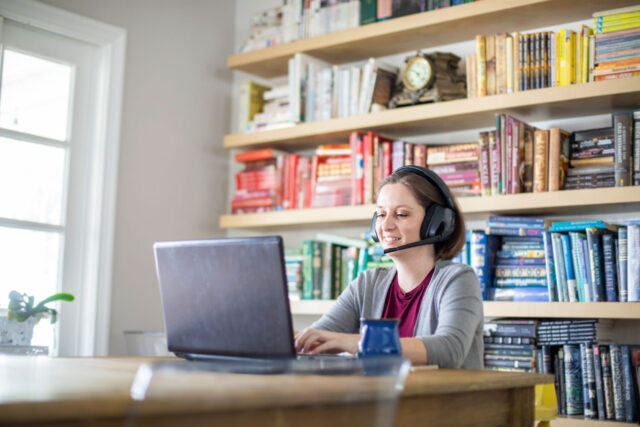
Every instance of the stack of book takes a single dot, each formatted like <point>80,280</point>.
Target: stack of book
<point>265,31</point>
<point>319,90</point>
<point>617,43</point>
<point>293,268</point>
<point>275,113</point>
<point>250,103</point>
<point>519,269</point>
<point>510,345</point>
<point>331,176</point>
<point>456,164</point>
<point>591,159</point>
<point>258,187</point>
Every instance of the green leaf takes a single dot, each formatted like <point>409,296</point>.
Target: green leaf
<point>61,296</point>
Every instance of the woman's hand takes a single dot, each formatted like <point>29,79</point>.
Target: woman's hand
<point>314,341</point>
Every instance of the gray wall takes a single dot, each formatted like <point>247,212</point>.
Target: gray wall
<point>173,172</point>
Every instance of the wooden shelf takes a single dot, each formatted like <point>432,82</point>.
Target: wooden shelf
<point>562,421</point>
<point>555,201</point>
<point>533,105</point>
<point>584,310</point>
<point>421,31</point>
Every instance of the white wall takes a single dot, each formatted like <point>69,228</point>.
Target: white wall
<point>172,179</point>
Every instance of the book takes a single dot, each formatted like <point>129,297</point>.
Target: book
<point>481,65</point>
<point>623,128</point>
<point>559,141</point>
<point>569,267</point>
<point>633,263</point>
<point>580,225</point>
<point>250,102</point>
<point>596,262</point>
<point>597,373</point>
<point>622,264</point>
<point>618,382</point>
<point>482,254</point>
<point>630,386</point>
<point>588,382</point>
<point>541,158</point>
<point>609,265</point>
<point>561,272</point>
<point>607,381</point>
<point>573,379</point>
<point>368,11</point>
<point>341,240</point>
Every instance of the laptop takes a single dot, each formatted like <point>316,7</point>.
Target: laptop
<point>226,301</point>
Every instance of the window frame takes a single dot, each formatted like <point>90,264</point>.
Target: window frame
<point>95,314</point>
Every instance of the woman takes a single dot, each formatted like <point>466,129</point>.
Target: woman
<point>438,302</point>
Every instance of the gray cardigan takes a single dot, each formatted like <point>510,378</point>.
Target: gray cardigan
<point>449,322</point>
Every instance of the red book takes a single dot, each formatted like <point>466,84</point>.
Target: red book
<point>485,164</point>
<point>314,178</point>
<point>261,154</point>
<point>508,145</point>
<point>354,139</point>
<point>386,159</point>
<point>368,168</point>
<point>408,154</point>
<point>494,162</point>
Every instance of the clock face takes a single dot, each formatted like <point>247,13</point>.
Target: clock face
<point>417,73</point>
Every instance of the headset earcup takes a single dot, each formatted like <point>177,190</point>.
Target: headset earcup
<point>374,233</point>
<point>438,222</point>
<point>426,226</point>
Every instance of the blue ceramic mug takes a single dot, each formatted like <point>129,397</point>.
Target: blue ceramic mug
<point>379,337</point>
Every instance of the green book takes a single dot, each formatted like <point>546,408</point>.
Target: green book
<point>368,11</point>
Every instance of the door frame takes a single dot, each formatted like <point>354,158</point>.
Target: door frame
<point>111,41</point>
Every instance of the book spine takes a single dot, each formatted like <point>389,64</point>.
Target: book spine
<point>622,264</point>
<point>568,264</point>
<point>630,391</point>
<point>597,372</point>
<point>561,386</point>
<point>596,261</point>
<point>589,382</point>
<point>623,125</point>
<point>607,381</point>
<point>481,65</point>
<point>540,164</point>
<point>317,260</point>
<point>550,266</point>
<point>307,270</point>
<point>636,148</point>
<point>618,382</point>
<point>609,261</point>
<point>633,263</point>
<point>561,272</point>
<point>485,172</point>
<point>578,264</point>
<point>573,380</point>
<point>494,163</point>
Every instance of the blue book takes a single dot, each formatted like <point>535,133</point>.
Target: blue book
<point>587,268</point>
<point>482,253</point>
<point>578,225</point>
<point>522,262</point>
<point>520,253</point>
<point>596,262</point>
<point>573,379</point>
<point>597,373</point>
<point>515,224</point>
<point>630,402</point>
<point>622,264</point>
<point>507,231</point>
<point>561,272</point>
<point>568,265</point>
<point>525,294</point>
<point>577,256</point>
<point>532,219</point>
<point>609,260</point>
<point>618,382</point>
<point>521,282</point>
<point>550,266</point>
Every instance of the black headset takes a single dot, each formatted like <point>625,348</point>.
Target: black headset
<point>439,221</point>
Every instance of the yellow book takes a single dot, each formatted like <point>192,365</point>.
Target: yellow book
<point>578,57</point>
<point>250,102</point>
<point>490,46</point>
<point>606,28</point>
<point>510,62</point>
<point>516,61</point>
<point>619,11</point>
<point>617,18</point>
<point>584,61</point>
<point>566,57</point>
<point>481,66</point>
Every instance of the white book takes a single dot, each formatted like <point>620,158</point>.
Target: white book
<point>355,90</point>
<point>633,263</point>
<point>298,74</point>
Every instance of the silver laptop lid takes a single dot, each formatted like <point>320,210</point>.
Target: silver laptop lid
<point>225,297</point>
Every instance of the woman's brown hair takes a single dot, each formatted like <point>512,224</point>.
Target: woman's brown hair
<point>426,193</point>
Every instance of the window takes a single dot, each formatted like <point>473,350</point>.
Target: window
<point>59,121</point>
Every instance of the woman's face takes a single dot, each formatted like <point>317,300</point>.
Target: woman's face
<point>399,216</point>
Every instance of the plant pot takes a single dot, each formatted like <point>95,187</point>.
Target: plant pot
<point>13,332</point>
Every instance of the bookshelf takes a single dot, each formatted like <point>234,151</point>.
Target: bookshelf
<point>550,310</point>
<point>564,101</point>
<point>422,30</point>
<point>431,29</point>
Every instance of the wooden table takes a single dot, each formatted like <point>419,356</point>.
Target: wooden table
<point>47,391</point>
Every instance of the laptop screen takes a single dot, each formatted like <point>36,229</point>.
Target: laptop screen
<point>225,297</point>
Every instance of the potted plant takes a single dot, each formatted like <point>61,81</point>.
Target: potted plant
<point>22,315</point>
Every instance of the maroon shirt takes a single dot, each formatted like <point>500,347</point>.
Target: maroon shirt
<point>405,306</point>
